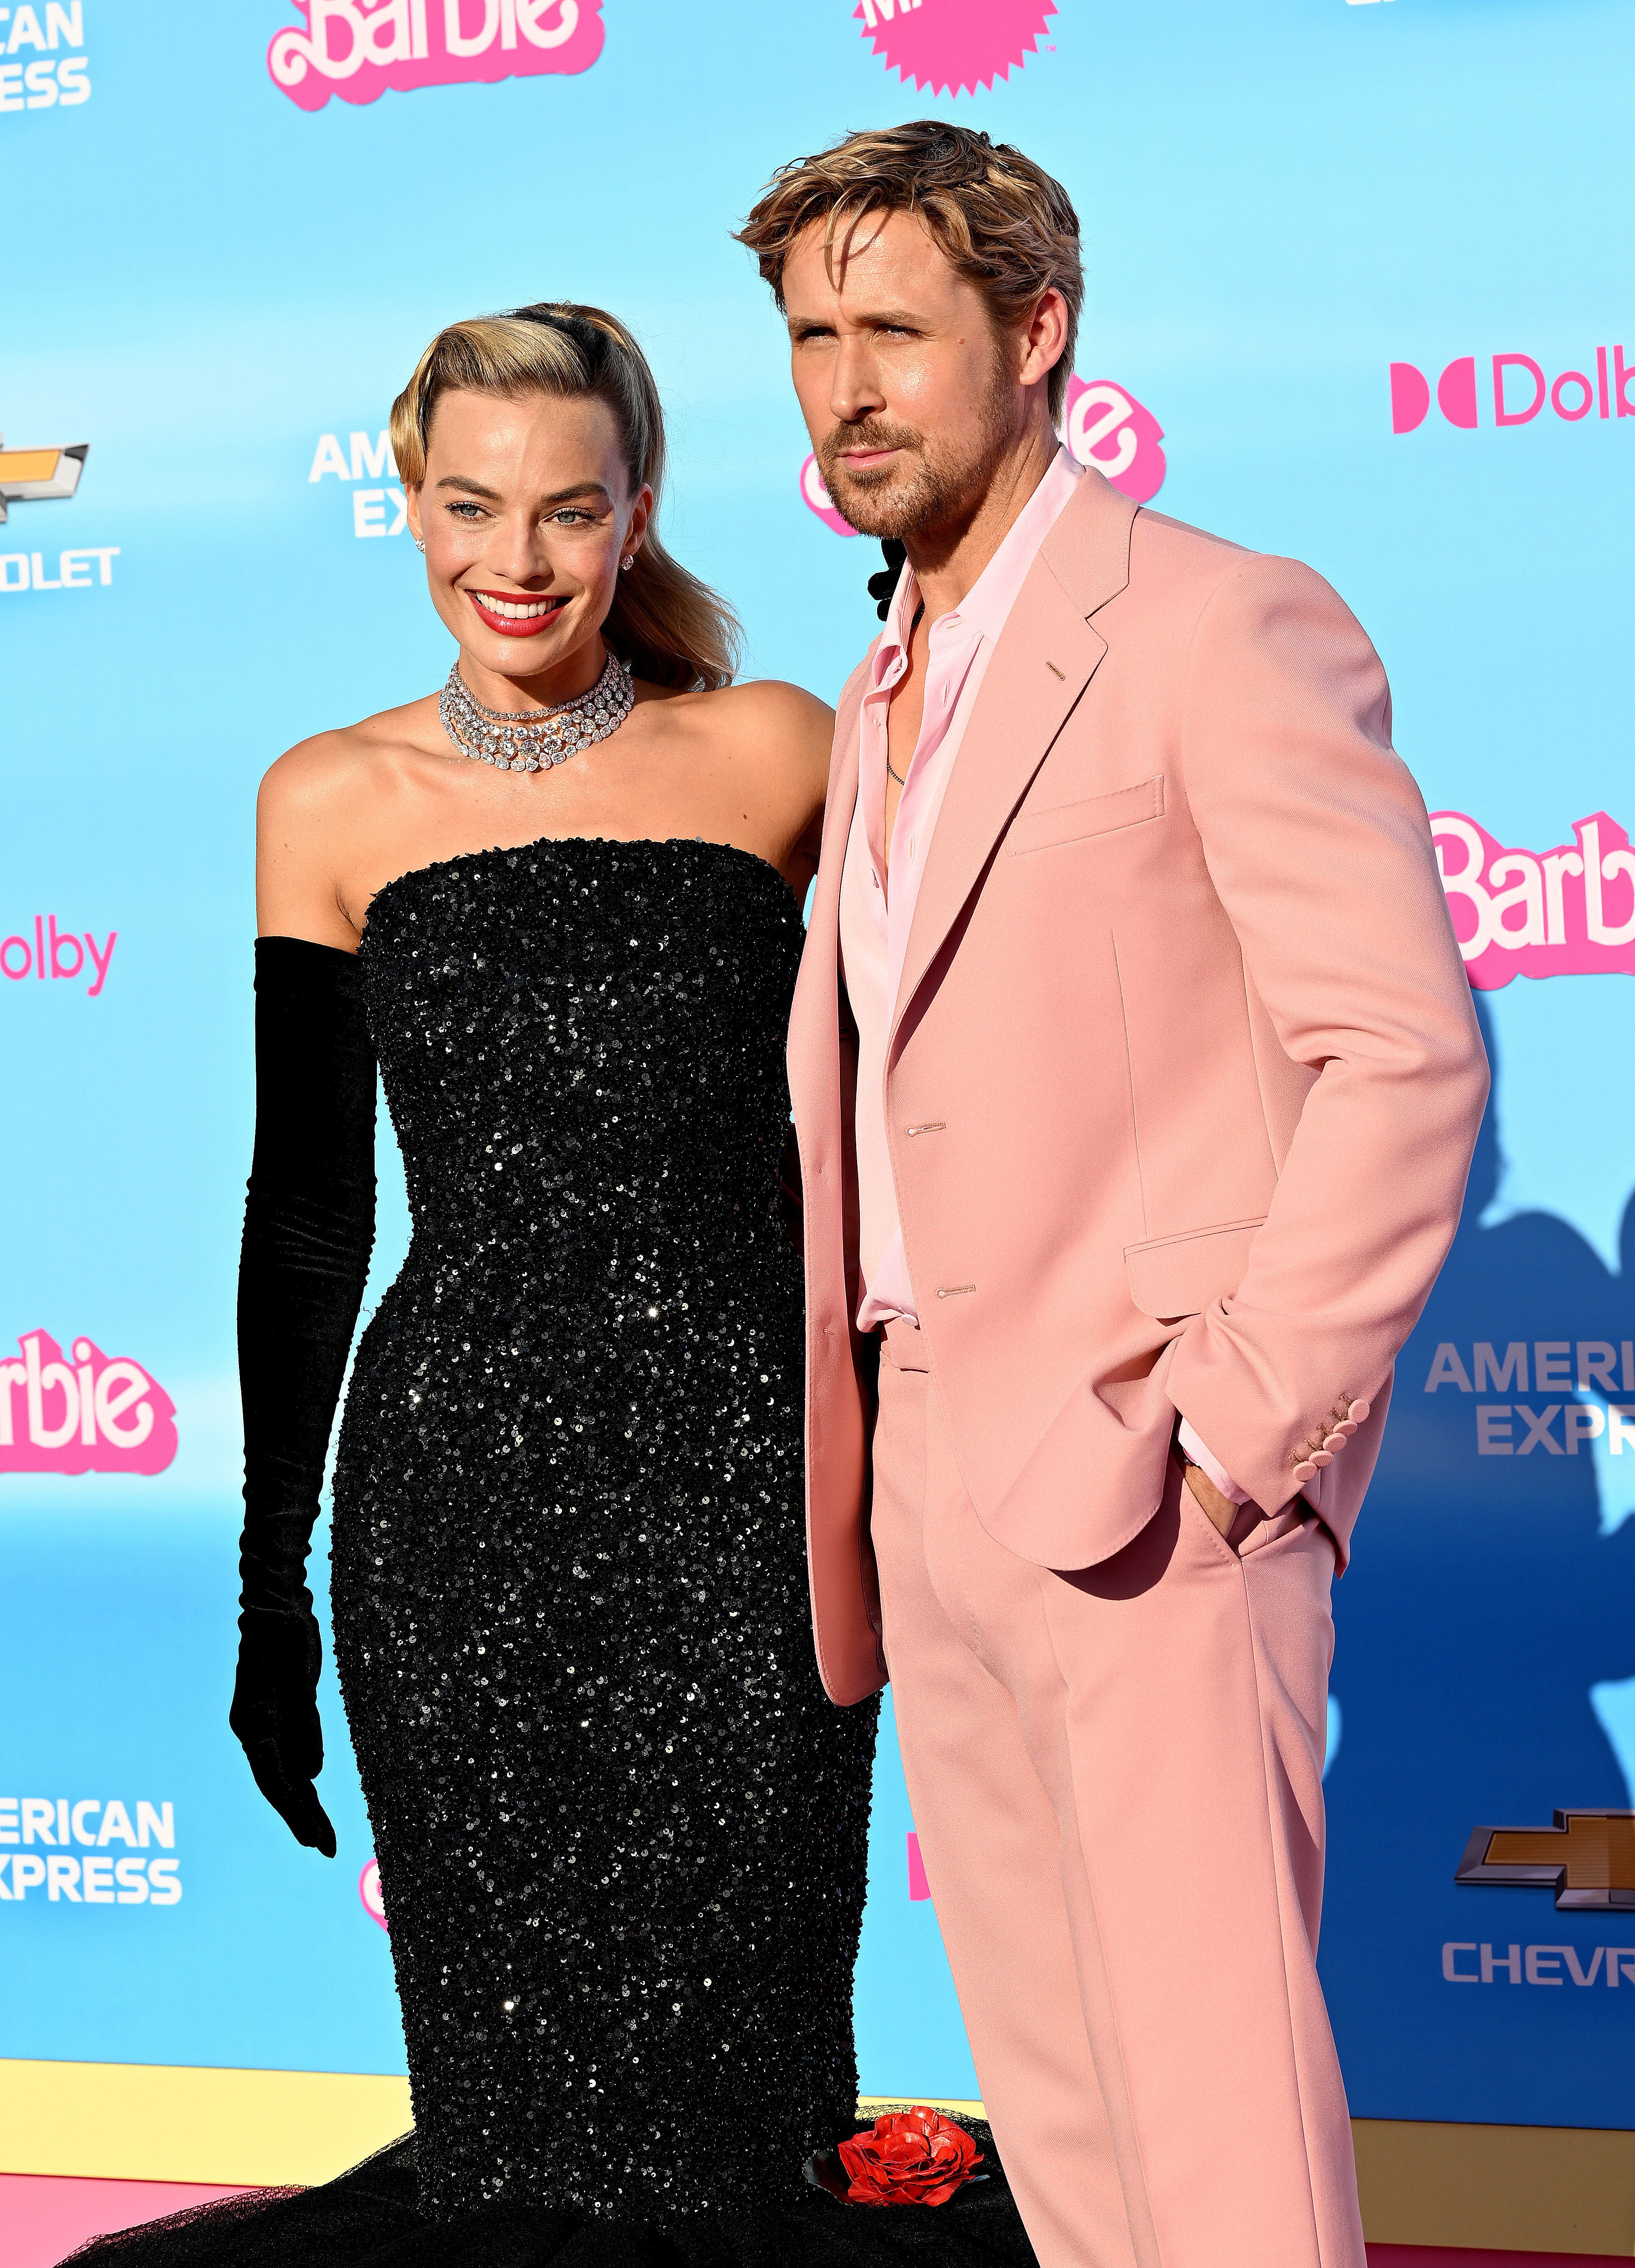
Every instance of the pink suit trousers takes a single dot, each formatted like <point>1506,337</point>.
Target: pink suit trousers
<point>1116,1777</point>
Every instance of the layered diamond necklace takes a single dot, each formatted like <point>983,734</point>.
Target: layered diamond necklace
<point>533,739</point>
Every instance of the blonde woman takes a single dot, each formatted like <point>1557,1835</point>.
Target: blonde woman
<point>621,1831</point>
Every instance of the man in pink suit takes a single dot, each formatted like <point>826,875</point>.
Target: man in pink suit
<point>1135,1078</point>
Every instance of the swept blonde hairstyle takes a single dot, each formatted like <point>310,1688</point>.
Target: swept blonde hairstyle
<point>999,219</point>
<point>673,629</point>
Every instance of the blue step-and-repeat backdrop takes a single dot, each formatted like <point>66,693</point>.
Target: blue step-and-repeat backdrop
<point>1359,291</point>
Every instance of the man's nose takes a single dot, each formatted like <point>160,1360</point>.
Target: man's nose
<point>855,391</point>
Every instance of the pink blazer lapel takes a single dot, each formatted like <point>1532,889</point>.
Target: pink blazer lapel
<point>1047,654</point>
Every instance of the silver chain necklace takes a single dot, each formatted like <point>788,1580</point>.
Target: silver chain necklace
<point>533,739</point>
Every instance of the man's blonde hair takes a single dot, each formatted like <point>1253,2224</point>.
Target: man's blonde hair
<point>999,219</point>
<point>668,625</point>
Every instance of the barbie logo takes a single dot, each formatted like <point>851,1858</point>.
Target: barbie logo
<point>956,44</point>
<point>817,497</point>
<point>355,50</point>
<point>1565,912</point>
<point>1107,427</point>
<point>369,1893</point>
<point>95,1415</point>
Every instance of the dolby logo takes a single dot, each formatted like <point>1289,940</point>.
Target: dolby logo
<point>1520,388</point>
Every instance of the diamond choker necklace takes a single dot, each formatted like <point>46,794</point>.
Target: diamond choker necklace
<point>532,740</point>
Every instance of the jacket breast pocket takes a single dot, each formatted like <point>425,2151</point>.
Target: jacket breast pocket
<point>1096,814</point>
<point>1175,1276</point>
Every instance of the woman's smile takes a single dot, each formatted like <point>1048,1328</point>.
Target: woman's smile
<point>516,614</point>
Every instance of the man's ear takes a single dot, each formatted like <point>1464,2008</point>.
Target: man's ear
<point>1044,336</point>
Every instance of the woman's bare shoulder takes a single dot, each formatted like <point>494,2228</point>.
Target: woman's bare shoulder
<point>770,704</point>
<point>318,776</point>
<point>781,729</point>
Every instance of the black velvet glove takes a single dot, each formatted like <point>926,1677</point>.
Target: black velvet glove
<point>309,1222</point>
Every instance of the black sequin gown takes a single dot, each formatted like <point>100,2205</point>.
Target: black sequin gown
<point>622,1831</point>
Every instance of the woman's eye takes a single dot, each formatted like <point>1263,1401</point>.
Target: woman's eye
<point>571,518</point>
<point>467,511</point>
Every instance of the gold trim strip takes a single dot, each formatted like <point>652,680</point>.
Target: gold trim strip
<point>1502,2189</point>
<point>158,2122</point>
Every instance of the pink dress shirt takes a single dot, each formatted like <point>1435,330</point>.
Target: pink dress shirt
<point>876,919</point>
<point>875,922</point>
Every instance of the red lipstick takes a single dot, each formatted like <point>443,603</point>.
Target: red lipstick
<point>529,625</point>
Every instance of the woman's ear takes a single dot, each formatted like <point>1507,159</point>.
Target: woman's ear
<point>411,502</point>
<point>635,530</point>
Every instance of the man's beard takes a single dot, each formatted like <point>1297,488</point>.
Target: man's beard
<point>939,488</point>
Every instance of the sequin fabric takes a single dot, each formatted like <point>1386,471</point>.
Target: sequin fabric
<point>621,1832</point>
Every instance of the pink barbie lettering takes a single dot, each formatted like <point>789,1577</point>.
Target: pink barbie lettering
<point>815,496</point>
<point>355,50</point>
<point>94,1413</point>
<point>1565,912</point>
<point>369,1892</point>
<point>1107,427</point>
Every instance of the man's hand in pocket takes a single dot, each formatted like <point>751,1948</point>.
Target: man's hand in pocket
<point>1220,1509</point>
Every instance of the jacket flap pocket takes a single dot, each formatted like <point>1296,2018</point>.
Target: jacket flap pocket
<point>1182,1275</point>
<point>1096,814</point>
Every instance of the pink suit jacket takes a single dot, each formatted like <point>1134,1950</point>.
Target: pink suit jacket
<point>1184,1076</point>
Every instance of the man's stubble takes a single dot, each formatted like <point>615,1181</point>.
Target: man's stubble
<point>943,486</point>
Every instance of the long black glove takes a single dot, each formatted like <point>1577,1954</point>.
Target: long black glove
<point>309,1224</point>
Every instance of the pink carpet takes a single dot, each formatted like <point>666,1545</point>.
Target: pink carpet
<point>41,2219</point>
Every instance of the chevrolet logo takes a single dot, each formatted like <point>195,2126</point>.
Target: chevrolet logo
<point>1587,1858</point>
<point>33,475</point>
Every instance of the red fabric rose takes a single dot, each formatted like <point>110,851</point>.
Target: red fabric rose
<point>912,2157</point>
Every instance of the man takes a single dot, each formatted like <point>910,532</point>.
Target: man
<point>1135,1078</point>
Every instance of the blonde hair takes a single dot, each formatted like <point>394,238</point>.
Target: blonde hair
<point>999,219</point>
<point>671,629</point>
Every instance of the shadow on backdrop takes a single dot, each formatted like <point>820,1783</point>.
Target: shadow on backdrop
<point>1484,1601</point>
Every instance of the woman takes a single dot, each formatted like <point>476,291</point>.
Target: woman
<point>621,1833</point>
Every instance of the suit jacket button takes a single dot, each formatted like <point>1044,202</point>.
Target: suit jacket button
<point>1334,1441</point>
<point>1305,1470</point>
<point>1322,1457</point>
<point>1359,1411</point>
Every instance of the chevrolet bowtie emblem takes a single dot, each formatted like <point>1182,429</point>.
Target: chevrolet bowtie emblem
<point>33,475</point>
<point>1587,1858</point>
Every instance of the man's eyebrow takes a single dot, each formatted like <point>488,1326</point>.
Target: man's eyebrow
<point>892,319</point>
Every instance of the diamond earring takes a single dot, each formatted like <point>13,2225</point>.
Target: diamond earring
<point>628,563</point>
<point>420,543</point>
